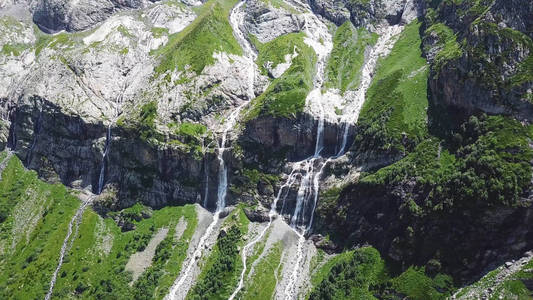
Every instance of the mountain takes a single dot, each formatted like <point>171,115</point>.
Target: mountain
<point>259,149</point>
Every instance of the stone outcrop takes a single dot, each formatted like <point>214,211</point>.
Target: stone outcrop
<point>335,11</point>
<point>56,15</point>
<point>290,138</point>
<point>491,58</point>
<point>65,148</point>
<point>466,242</point>
<point>368,13</point>
<point>266,22</point>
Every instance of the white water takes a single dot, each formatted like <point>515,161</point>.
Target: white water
<point>271,216</point>
<point>66,245</point>
<point>319,38</point>
<point>311,169</point>
<point>356,99</point>
<point>206,190</point>
<point>194,259</point>
<point>101,178</point>
<point>37,129</point>
<point>221,204</point>
<point>290,290</point>
<point>236,20</point>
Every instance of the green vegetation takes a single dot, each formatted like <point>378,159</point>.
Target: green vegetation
<point>511,287</point>
<point>191,130</point>
<point>194,46</point>
<point>33,223</point>
<point>447,40</point>
<point>322,273</point>
<point>32,234</point>
<point>148,115</point>
<point>13,49</point>
<point>55,42</point>
<point>347,57</point>
<point>220,273</point>
<point>192,137</point>
<point>397,99</point>
<point>362,274</point>
<point>486,164</point>
<point>417,285</point>
<point>250,179</point>
<point>166,264</point>
<point>285,97</point>
<point>158,32</point>
<point>144,123</point>
<point>96,269</point>
<point>281,4</point>
<point>124,31</point>
<point>276,50</point>
<point>263,282</point>
<point>350,276</point>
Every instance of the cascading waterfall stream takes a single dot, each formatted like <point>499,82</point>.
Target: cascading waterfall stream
<point>67,244</point>
<point>383,46</point>
<point>101,178</point>
<point>206,189</point>
<point>314,166</point>
<point>271,217</point>
<point>76,219</point>
<point>236,20</point>
<point>36,131</point>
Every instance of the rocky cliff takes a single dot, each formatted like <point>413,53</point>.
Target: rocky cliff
<point>402,125</point>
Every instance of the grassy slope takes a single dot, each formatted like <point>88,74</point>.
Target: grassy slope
<point>88,269</point>
<point>512,287</point>
<point>25,269</point>
<point>397,99</point>
<point>262,284</point>
<point>194,46</point>
<point>221,271</point>
<point>362,274</point>
<point>347,57</point>
<point>286,95</point>
<point>93,272</point>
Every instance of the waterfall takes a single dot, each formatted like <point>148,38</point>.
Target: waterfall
<point>67,244</point>
<point>206,190</point>
<point>12,142</point>
<point>311,169</point>
<point>101,178</point>
<point>36,131</point>
<point>356,99</point>
<point>222,168</point>
<point>195,257</point>
<point>236,20</point>
<point>318,38</point>
<point>271,216</point>
<point>221,202</point>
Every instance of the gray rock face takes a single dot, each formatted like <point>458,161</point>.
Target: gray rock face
<point>368,13</point>
<point>335,11</point>
<point>514,14</point>
<point>491,62</point>
<point>293,139</point>
<point>267,22</point>
<point>56,15</point>
<point>65,146</point>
